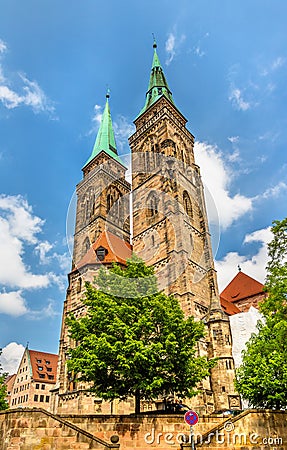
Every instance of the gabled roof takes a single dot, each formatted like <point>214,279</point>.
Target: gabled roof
<point>9,381</point>
<point>44,366</point>
<point>117,250</point>
<point>242,286</point>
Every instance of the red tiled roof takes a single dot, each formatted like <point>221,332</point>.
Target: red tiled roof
<point>117,250</point>
<point>229,308</point>
<point>9,381</point>
<point>242,286</point>
<point>48,362</point>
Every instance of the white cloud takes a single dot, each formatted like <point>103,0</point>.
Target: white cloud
<point>233,139</point>
<point>123,130</point>
<point>3,46</point>
<point>277,63</point>
<point>11,357</point>
<point>29,94</point>
<point>96,119</point>
<point>253,266</point>
<point>9,98</point>
<point>18,226</point>
<point>172,45</point>
<point>237,100</point>
<point>42,248</point>
<point>32,96</point>
<point>198,51</point>
<point>273,191</point>
<point>273,66</point>
<point>216,177</point>
<point>48,311</point>
<point>12,303</point>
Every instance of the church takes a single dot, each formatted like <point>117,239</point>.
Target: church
<point>164,206</point>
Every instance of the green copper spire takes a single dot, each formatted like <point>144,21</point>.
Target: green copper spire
<point>157,84</point>
<point>105,140</point>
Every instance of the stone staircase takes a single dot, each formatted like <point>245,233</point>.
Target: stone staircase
<point>38,429</point>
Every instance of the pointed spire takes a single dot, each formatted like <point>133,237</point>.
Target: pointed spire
<point>157,84</point>
<point>105,140</point>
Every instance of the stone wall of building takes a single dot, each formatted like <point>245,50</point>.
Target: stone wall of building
<point>31,429</point>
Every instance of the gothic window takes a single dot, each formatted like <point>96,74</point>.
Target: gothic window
<point>152,240</point>
<point>113,200</point>
<point>187,205</point>
<point>109,202</point>
<point>169,147</point>
<point>152,204</point>
<point>93,205</point>
<point>229,364</point>
<point>87,209</point>
<point>79,285</point>
<point>191,240</point>
<point>86,245</point>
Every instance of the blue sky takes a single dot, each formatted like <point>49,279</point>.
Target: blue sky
<point>225,62</point>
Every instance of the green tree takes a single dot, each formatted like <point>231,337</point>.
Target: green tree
<point>3,391</point>
<point>134,340</point>
<point>262,377</point>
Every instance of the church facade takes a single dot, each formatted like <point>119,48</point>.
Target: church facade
<point>170,232</point>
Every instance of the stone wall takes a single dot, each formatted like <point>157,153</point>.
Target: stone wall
<point>35,429</point>
<point>144,432</point>
<point>251,430</point>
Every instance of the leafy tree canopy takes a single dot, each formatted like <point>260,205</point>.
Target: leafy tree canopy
<point>135,340</point>
<point>3,391</point>
<point>262,377</point>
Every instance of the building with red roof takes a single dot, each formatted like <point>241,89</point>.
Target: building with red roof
<point>241,293</point>
<point>35,377</point>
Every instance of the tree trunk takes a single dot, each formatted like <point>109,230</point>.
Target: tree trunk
<point>137,402</point>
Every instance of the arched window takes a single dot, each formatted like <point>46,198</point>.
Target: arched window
<point>112,199</point>
<point>109,202</point>
<point>86,245</point>
<point>79,285</point>
<point>152,204</point>
<point>168,147</point>
<point>187,205</point>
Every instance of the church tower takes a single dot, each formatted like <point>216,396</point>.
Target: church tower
<point>170,232</point>
<point>102,236</point>
<point>170,228</point>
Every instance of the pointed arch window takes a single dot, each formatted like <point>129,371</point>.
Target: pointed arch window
<point>86,245</point>
<point>109,202</point>
<point>113,196</point>
<point>187,204</point>
<point>152,204</point>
